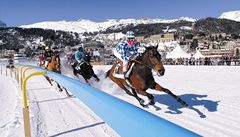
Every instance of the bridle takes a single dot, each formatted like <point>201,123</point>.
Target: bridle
<point>156,68</point>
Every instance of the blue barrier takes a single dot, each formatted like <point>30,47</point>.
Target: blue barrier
<point>126,119</point>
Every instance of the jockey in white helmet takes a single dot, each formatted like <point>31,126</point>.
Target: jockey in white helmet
<point>127,50</point>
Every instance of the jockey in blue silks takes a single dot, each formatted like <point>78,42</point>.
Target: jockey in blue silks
<point>127,50</point>
<point>79,55</point>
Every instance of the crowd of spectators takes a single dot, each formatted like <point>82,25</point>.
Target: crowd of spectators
<point>225,60</point>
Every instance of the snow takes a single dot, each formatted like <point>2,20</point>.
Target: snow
<point>84,25</point>
<point>169,44</point>
<point>186,28</point>
<point>211,91</point>
<point>52,113</point>
<point>11,120</point>
<point>231,15</point>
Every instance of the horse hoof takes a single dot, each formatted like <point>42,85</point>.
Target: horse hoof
<point>186,105</point>
<point>141,101</point>
<point>151,102</point>
<point>145,106</point>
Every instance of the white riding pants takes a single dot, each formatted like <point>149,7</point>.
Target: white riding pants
<point>125,63</point>
<point>46,63</point>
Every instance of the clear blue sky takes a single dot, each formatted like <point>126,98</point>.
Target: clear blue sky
<point>23,12</point>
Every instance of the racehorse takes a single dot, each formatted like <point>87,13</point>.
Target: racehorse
<point>85,69</point>
<point>54,65</point>
<point>141,77</point>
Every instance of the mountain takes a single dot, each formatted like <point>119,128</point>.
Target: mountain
<point>214,25</point>
<point>84,25</point>
<point>231,15</point>
<point>2,24</point>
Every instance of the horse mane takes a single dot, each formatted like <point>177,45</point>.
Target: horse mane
<point>140,57</point>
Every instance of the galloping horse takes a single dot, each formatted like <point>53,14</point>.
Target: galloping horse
<point>54,66</point>
<point>86,69</point>
<point>141,77</point>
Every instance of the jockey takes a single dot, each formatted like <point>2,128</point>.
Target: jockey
<point>48,55</point>
<point>57,54</point>
<point>79,55</point>
<point>127,50</point>
<point>41,59</point>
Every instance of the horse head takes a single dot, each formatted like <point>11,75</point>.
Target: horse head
<point>152,58</point>
<point>87,57</point>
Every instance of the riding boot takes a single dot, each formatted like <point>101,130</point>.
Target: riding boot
<point>75,72</point>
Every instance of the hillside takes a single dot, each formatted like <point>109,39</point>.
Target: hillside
<point>214,25</point>
<point>16,38</point>
<point>83,25</point>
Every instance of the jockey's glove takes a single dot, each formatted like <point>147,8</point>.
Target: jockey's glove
<point>133,58</point>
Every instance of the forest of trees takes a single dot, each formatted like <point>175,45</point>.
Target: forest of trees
<point>213,25</point>
<point>15,38</point>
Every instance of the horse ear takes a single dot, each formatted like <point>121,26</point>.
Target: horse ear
<point>157,47</point>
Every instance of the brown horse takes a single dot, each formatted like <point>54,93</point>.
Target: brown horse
<point>141,77</point>
<point>54,65</point>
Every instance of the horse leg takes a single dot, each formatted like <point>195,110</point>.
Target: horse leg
<point>140,100</point>
<point>122,87</point>
<point>86,80</point>
<point>74,72</point>
<point>96,77</point>
<point>160,88</point>
<point>66,92</point>
<point>59,87</point>
<point>150,96</point>
<point>48,79</point>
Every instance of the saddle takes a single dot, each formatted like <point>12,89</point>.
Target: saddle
<point>78,65</point>
<point>118,71</point>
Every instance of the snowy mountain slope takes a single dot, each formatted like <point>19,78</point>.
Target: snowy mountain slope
<point>84,25</point>
<point>231,15</point>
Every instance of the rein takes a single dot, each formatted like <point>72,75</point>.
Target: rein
<point>155,68</point>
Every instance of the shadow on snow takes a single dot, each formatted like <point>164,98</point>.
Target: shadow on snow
<point>193,100</point>
<point>77,129</point>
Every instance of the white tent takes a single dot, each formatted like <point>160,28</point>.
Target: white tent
<point>198,55</point>
<point>178,52</point>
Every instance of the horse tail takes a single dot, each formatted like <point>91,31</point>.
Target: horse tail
<point>108,73</point>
